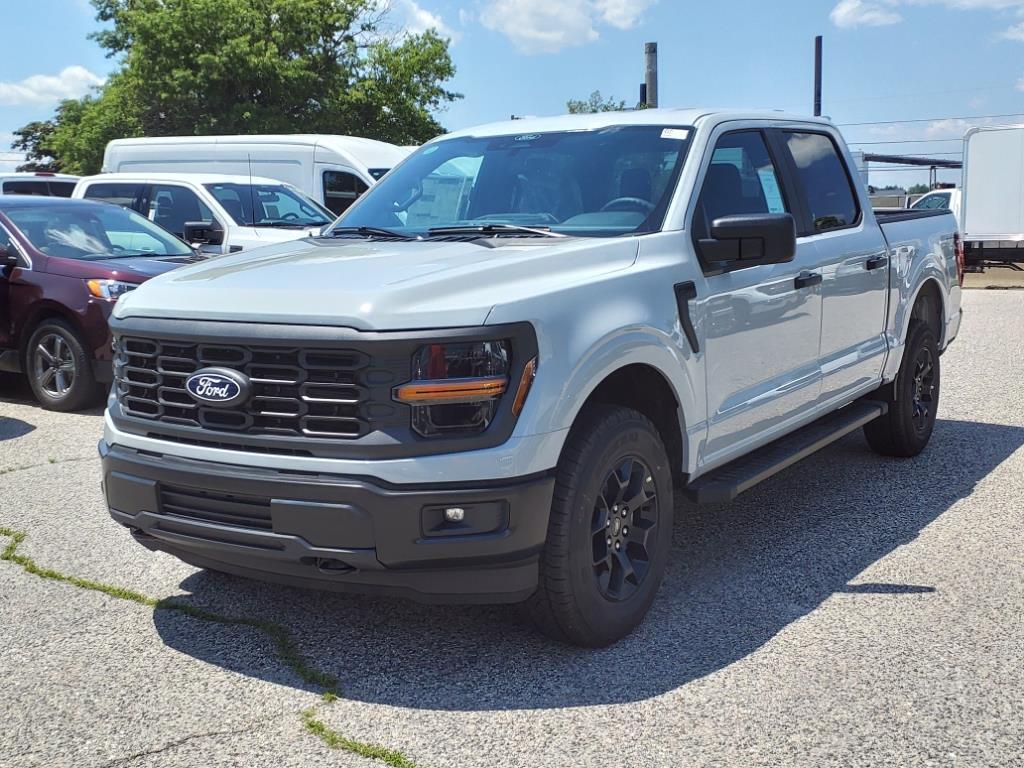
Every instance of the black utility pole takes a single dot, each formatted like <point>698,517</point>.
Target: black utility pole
<point>817,76</point>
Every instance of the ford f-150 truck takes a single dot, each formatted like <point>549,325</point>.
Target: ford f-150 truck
<point>486,381</point>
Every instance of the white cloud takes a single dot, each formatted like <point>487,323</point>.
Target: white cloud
<point>415,19</point>
<point>624,14</point>
<point>548,26</point>
<point>71,83</point>
<point>848,14</point>
<point>1020,84</point>
<point>1016,32</point>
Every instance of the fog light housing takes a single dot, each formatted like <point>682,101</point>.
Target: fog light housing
<point>456,388</point>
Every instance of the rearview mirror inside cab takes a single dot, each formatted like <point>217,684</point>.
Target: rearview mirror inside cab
<point>203,233</point>
<point>749,239</point>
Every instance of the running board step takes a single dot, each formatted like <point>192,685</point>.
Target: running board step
<point>727,482</point>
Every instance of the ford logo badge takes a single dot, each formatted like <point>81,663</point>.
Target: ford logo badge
<point>218,386</point>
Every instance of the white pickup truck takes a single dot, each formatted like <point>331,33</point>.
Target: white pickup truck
<point>489,378</point>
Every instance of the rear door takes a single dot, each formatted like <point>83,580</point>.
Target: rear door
<point>855,264</point>
<point>762,323</point>
<point>6,330</point>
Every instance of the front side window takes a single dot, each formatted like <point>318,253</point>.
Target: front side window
<point>341,190</point>
<point>126,195</point>
<point>269,205</point>
<point>932,202</point>
<point>171,207</point>
<point>826,186</point>
<point>61,188</point>
<point>602,183</point>
<point>93,232</point>
<point>740,179</point>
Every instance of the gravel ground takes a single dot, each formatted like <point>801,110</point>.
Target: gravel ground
<point>851,611</point>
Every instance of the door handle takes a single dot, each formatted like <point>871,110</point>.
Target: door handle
<point>806,280</point>
<point>876,261</point>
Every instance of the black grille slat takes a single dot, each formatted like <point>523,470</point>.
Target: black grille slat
<point>296,392</point>
<point>240,511</point>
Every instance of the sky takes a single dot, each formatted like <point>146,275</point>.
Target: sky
<point>933,61</point>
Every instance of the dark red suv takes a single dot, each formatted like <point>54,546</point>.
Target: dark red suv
<point>63,265</point>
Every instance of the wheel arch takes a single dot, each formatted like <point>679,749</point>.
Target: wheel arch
<point>644,388</point>
<point>40,313</point>
<point>929,306</point>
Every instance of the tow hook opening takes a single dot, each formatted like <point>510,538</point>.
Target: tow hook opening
<point>330,565</point>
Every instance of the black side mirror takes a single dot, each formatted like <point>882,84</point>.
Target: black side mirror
<point>750,239</point>
<point>203,233</point>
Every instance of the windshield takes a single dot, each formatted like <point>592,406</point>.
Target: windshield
<point>93,231</point>
<point>269,205</point>
<point>604,183</point>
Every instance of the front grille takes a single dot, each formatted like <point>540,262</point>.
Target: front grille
<point>315,393</point>
<point>250,512</point>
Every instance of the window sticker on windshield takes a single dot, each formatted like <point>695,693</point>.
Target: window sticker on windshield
<point>681,134</point>
<point>772,193</point>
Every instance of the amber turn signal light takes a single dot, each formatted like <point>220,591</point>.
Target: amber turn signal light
<point>451,390</point>
<point>525,382</point>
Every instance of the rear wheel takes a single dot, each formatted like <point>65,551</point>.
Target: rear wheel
<point>610,529</point>
<point>906,429</point>
<point>59,369</point>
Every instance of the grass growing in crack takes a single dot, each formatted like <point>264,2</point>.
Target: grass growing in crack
<point>287,650</point>
<point>284,643</point>
<point>335,740</point>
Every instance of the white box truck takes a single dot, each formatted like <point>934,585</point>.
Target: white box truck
<point>333,170</point>
<point>992,205</point>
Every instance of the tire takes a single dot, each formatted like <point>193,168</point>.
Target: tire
<point>907,428</point>
<point>58,368</point>
<point>584,595</point>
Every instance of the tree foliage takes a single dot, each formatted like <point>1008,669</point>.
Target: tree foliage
<point>918,189</point>
<point>594,103</point>
<point>195,67</point>
<point>34,140</point>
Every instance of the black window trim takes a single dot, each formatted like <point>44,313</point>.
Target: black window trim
<point>805,224</point>
<point>783,177</point>
<point>9,228</point>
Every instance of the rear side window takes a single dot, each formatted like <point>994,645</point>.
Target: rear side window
<point>831,203</point>
<point>26,188</point>
<point>741,179</point>
<point>125,195</point>
<point>341,190</point>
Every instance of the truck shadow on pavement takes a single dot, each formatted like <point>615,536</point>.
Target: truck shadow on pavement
<point>739,574</point>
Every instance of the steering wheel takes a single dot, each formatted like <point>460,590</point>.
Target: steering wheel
<point>628,204</point>
<point>290,216</point>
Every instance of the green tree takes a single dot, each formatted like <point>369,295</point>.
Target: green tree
<point>918,189</point>
<point>34,140</point>
<point>194,67</point>
<point>595,103</point>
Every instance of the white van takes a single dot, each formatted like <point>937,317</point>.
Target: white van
<point>43,183</point>
<point>334,170</point>
<point>216,212</point>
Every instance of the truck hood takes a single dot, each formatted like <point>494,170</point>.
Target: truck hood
<point>371,285</point>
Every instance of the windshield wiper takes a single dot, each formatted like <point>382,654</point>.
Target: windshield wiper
<point>370,232</point>
<point>493,229</point>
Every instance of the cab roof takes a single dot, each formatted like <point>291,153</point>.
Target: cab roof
<point>193,178</point>
<point>598,120</point>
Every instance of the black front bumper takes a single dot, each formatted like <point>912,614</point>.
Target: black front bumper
<point>334,532</point>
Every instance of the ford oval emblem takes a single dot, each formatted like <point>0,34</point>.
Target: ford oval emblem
<point>218,386</point>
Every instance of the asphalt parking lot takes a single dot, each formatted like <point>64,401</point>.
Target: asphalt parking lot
<point>851,611</point>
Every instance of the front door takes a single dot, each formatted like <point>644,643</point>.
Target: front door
<point>762,323</point>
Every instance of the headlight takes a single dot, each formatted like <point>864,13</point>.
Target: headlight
<point>111,290</point>
<point>456,388</point>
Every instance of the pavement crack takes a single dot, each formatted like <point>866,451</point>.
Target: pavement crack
<point>284,642</point>
<point>51,462</point>
<point>248,727</point>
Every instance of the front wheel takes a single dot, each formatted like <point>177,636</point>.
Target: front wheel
<point>906,429</point>
<point>59,369</point>
<point>610,529</point>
